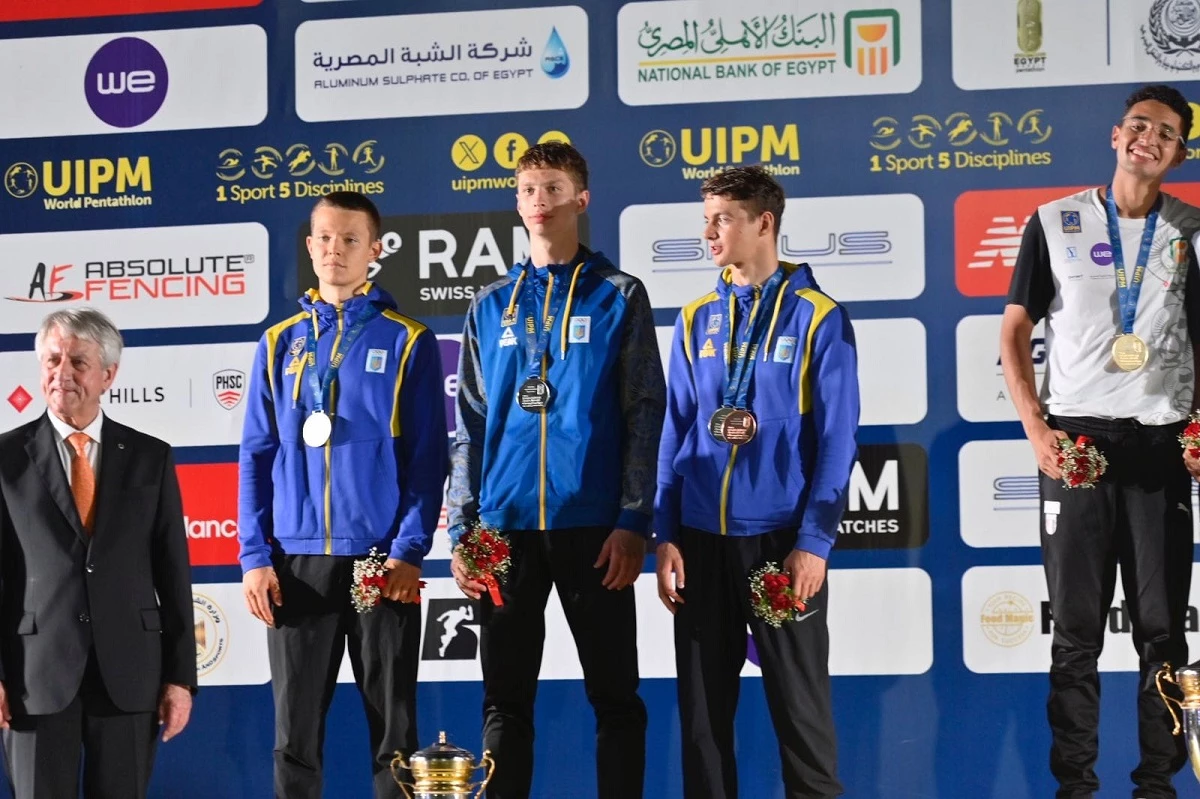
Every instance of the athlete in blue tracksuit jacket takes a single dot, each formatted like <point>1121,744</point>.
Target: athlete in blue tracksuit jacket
<point>570,481</point>
<point>756,453</point>
<point>343,451</point>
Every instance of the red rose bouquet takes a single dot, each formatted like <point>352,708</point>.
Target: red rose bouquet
<point>771,596</point>
<point>1190,437</point>
<point>1081,463</point>
<point>486,556</point>
<point>369,580</point>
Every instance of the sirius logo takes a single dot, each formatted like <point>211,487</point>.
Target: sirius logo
<point>850,243</point>
<point>1015,492</point>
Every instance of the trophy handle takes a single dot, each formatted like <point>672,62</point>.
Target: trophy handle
<point>398,761</point>
<point>1165,675</point>
<point>486,760</point>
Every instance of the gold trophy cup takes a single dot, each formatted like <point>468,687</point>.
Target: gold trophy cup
<point>442,771</point>
<point>1188,680</point>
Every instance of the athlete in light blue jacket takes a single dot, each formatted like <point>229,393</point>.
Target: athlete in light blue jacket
<point>560,405</point>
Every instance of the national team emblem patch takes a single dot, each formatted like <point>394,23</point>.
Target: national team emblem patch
<point>1070,222</point>
<point>714,324</point>
<point>785,349</point>
<point>1050,511</point>
<point>1175,254</point>
<point>297,346</point>
<point>508,319</point>
<point>228,387</point>
<point>508,339</point>
<point>376,361</point>
<point>579,330</point>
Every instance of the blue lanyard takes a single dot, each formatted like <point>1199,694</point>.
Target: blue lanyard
<point>740,364</point>
<point>1128,290</point>
<point>537,340</point>
<point>320,389</point>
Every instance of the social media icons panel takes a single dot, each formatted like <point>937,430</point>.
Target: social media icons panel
<point>412,65</point>
<point>160,277</point>
<point>142,81</point>
<point>687,51</point>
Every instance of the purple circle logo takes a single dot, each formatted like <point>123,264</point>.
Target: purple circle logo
<point>1102,253</point>
<point>126,82</point>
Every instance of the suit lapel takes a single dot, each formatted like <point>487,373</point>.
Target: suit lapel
<point>42,447</point>
<point>114,452</point>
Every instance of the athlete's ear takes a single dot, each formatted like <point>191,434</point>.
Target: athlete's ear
<point>766,224</point>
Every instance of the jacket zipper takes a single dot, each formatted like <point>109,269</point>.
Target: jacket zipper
<point>329,446</point>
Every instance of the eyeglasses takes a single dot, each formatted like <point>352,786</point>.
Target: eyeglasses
<point>1139,125</point>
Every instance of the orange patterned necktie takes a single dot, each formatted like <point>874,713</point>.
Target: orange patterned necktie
<point>83,479</point>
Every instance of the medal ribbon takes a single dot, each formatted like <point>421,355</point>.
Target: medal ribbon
<point>537,341</point>
<point>1128,290</point>
<point>740,363</point>
<point>320,389</point>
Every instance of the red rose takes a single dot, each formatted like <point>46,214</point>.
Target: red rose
<point>780,602</point>
<point>1194,452</point>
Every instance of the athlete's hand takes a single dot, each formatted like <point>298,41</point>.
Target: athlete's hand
<point>670,575</point>
<point>403,581</point>
<point>472,588</point>
<point>260,587</point>
<point>624,551</point>
<point>807,572</point>
<point>1192,464</point>
<point>1045,449</point>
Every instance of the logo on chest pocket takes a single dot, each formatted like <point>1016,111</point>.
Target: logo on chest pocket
<point>785,349</point>
<point>579,331</point>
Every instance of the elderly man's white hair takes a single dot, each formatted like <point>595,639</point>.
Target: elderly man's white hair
<point>87,324</point>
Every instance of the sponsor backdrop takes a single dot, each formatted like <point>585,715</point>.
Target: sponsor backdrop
<point>160,157</point>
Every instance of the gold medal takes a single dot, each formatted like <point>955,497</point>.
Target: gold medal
<point>1129,352</point>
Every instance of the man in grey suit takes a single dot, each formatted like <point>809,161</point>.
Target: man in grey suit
<point>97,641</point>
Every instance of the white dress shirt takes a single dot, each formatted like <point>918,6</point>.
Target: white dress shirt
<point>66,452</point>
